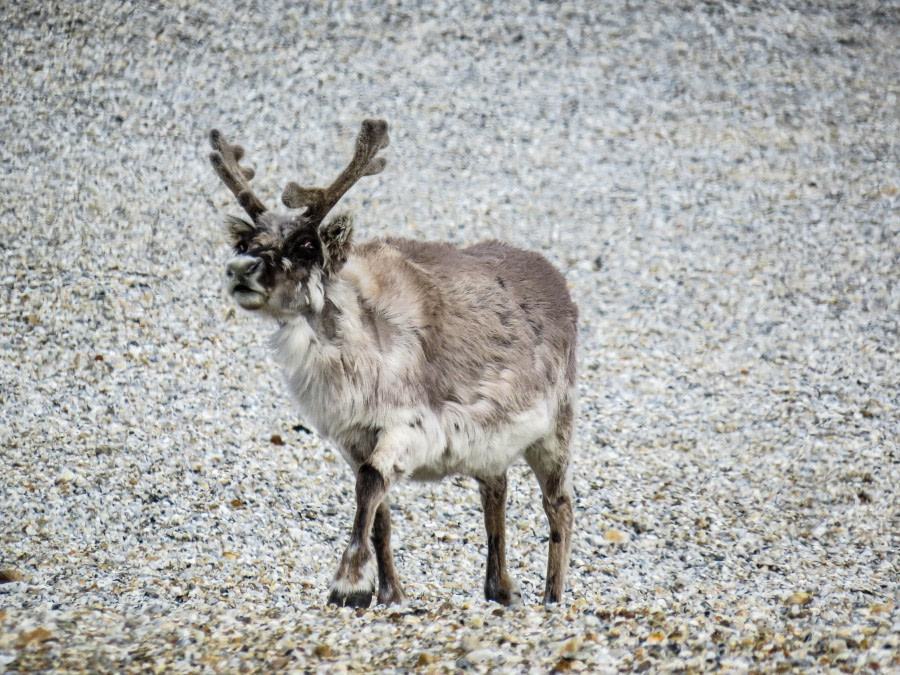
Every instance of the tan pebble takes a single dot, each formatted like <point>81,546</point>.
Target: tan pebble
<point>615,536</point>
<point>570,646</point>
<point>512,639</point>
<point>425,658</point>
<point>799,598</point>
<point>33,637</point>
<point>9,576</point>
<point>323,651</point>
<point>656,637</point>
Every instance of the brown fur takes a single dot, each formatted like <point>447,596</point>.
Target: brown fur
<point>417,359</point>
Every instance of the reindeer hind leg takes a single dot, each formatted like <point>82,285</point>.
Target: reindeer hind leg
<point>497,584</point>
<point>550,459</point>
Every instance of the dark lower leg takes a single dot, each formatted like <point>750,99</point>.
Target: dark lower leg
<point>355,579</point>
<point>558,507</point>
<point>389,591</point>
<point>497,586</point>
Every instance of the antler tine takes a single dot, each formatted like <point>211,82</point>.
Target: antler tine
<point>373,136</point>
<point>225,158</point>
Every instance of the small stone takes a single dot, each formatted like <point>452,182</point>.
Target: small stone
<point>799,598</point>
<point>485,654</point>
<point>425,658</point>
<point>871,408</point>
<point>615,536</point>
<point>66,476</point>
<point>837,645</point>
<point>469,643</point>
<point>570,646</point>
<point>8,576</point>
<point>323,651</point>
<point>656,637</point>
<point>33,637</point>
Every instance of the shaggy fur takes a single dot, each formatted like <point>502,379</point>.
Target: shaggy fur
<point>418,360</point>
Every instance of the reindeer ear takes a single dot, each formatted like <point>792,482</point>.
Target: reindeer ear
<point>335,236</point>
<point>239,231</point>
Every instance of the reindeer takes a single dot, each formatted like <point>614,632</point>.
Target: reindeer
<point>418,360</point>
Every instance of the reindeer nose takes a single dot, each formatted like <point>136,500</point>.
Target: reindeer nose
<point>242,266</point>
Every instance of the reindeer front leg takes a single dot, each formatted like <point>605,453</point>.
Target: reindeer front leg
<point>363,563</point>
<point>389,591</point>
<point>354,582</point>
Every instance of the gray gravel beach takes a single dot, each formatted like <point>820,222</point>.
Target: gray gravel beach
<point>719,184</point>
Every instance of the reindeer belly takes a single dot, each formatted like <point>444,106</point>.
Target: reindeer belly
<point>373,417</point>
<point>471,446</point>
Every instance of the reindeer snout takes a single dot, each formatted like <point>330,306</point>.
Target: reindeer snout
<point>242,267</point>
<point>242,281</point>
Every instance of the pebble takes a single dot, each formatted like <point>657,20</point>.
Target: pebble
<point>482,655</point>
<point>9,576</point>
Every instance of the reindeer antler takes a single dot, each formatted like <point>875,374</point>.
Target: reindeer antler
<point>319,201</point>
<point>225,160</point>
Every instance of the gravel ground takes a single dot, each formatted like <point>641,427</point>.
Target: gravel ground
<point>718,182</point>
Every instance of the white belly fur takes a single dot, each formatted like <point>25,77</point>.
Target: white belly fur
<point>434,445</point>
<point>414,440</point>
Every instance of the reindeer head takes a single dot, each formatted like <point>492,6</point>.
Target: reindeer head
<point>280,262</point>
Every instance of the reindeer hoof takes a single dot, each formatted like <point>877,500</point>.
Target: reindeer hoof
<point>351,599</point>
<point>551,599</point>
<point>393,597</point>
<point>504,593</point>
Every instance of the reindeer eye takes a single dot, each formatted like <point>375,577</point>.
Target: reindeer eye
<point>305,249</point>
